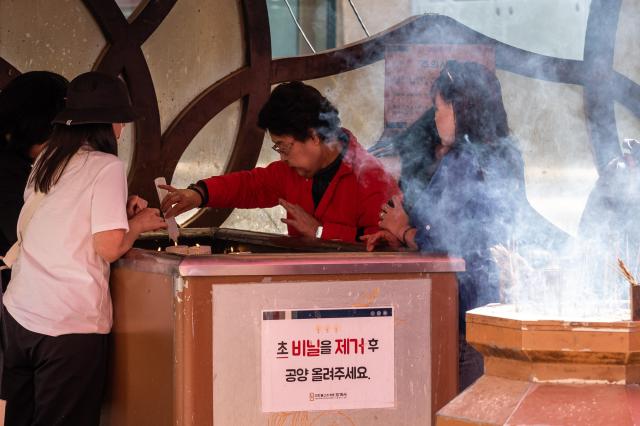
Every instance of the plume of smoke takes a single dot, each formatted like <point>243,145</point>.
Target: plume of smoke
<point>543,270</point>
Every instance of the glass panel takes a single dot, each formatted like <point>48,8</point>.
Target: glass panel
<point>209,151</point>
<point>185,60</point>
<point>550,27</point>
<point>547,119</point>
<point>284,34</point>
<point>262,220</point>
<point>128,6</point>
<point>628,124</point>
<point>626,58</point>
<point>47,35</point>
<point>376,15</point>
<point>362,114</point>
<point>317,18</point>
<point>125,145</point>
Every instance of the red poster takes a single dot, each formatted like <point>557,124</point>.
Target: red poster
<point>410,70</point>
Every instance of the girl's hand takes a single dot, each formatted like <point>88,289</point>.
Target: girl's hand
<point>147,220</point>
<point>111,245</point>
<point>135,205</point>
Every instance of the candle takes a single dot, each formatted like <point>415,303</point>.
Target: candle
<point>199,250</point>
<point>184,250</point>
<point>196,250</point>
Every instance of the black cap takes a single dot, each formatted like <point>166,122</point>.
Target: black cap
<point>96,97</point>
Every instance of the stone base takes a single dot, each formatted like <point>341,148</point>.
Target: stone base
<point>499,401</point>
<point>549,372</point>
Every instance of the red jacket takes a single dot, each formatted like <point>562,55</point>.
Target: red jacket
<point>352,200</point>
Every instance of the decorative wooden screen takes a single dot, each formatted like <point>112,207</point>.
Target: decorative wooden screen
<point>157,153</point>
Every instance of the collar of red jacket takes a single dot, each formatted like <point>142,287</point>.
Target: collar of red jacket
<point>357,157</point>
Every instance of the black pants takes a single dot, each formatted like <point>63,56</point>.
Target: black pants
<point>51,380</point>
<point>470,364</point>
<point>5,276</point>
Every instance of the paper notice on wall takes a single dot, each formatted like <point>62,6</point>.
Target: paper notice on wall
<point>327,359</point>
<point>411,69</point>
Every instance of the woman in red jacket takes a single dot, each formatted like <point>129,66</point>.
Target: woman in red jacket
<point>330,186</point>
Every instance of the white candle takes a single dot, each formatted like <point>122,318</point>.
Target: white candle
<point>199,250</point>
<point>178,250</point>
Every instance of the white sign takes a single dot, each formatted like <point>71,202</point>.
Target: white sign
<point>327,359</point>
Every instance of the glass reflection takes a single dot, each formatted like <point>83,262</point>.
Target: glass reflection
<point>128,6</point>
<point>547,27</point>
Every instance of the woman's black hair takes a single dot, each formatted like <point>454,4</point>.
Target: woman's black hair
<point>28,104</point>
<point>476,96</point>
<point>64,143</point>
<point>295,109</point>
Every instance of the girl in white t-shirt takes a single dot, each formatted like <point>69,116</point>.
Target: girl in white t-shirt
<point>57,309</point>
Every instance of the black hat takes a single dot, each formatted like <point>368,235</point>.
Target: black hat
<point>95,97</point>
<point>27,105</point>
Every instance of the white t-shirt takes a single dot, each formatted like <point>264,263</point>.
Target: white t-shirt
<point>59,284</point>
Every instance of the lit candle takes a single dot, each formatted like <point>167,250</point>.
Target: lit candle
<point>199,250</point>
<point>237,250</point>
<point>176,249</point>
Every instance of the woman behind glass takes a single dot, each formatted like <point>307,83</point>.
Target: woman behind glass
<point>472,200</point>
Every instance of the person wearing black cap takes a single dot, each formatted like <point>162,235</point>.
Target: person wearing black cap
<point>57,308</point>
<point>28,104</point>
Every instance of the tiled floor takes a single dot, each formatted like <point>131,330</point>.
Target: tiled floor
<point>497,401</point>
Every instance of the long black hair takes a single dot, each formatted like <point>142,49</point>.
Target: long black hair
<point>64,143</point>
<point>476,97</point>
<point>28,104</point>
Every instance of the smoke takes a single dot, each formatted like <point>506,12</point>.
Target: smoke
<point>567,271</point>
<point>544,206</point>
<point>581,279</point>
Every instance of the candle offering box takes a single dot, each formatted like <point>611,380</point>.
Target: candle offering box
<point>227,241</point>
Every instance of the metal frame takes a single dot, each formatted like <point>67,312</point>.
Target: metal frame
<point>256,264</point>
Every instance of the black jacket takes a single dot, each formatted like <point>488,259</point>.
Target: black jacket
<point>416,149</point>
<point>14,173</point>
<point>456,214</point>
<point>476,199</point>
<point>504,168</point>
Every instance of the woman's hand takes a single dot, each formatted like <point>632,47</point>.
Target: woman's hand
<point>380,238</point>
<point>135,205</point>
<point>146,220</point>
<point>306,224</point>
<point>394,219</point>
<point>111,245</point>
<point>179,201</point>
